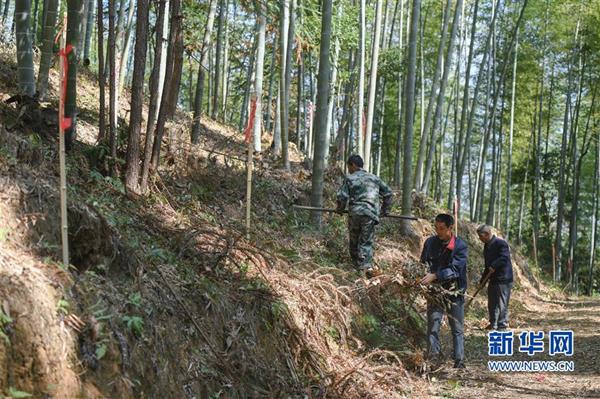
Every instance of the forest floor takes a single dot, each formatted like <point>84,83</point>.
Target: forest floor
<point>581,315</point>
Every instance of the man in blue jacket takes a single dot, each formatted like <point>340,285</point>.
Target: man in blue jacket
<point>499,267</point>
<point>446,256</point>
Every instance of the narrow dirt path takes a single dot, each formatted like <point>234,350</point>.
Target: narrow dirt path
<point>582,316</point>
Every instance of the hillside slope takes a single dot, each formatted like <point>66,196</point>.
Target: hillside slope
<point>167,298</point>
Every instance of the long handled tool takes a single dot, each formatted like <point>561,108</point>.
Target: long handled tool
<point>316,209</point>
<point>483,283</point>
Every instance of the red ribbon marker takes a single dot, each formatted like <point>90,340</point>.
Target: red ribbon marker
<point>65,123</point>
<point>248,130</point>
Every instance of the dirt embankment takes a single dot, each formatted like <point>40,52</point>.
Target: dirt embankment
<point>166,298</point>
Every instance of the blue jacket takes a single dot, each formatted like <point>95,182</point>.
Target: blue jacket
<point>448,262</point>
<point>497,255</point>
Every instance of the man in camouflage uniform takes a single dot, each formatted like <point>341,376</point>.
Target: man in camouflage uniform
<point>361,190</point>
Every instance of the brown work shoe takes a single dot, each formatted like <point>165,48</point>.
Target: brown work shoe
<point>372,272</point>
<point>435,364</point>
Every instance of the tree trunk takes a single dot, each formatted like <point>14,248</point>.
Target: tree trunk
<point>201,73</point>
<point>343,142</point>
<point>88,33</point>
<point>124,58</point>
<point>577,181</point>
<point>137,98</point>
<point>85,4</point>
<point>373,84</point>
<point>272,73</point>
<point>50,11</point>
<point>433,97</point>
<point>190,83</point>
<point>226,65</point>
<point>409,112</point>
<point>154,94</point>
<point>594,226</point>
<point>74,14</point>
<point>522,204</point>
<point>34,24</point>
<point>300,102</point>
<point>209,84</point>
<point>283,41</point>
<point>442,94</point>
<point>397,163</point>
<point>219,61</point>
<point>334,74</point>
<point>536,187</point>
<point>178,49</point>
<point>462,149</point>
<point>171,86</point>
<point>561,187</point>
<point>116,31</point>
<point>498,195</point>
<point>101,80</point>
<point>452,197</point>
<point>258,81</point>
<point>287,12</point>
<point>24,47</point>
<point>163,60</point>
<point>480,175</point>
<point>496,154</point>
<point>112,85</point>
<point>453,166</point>
<point>510,142</point>
<point>380,138</point>
<point>277,123</point>
<point>548,118</point>
<point>5,12</point>
<point>321,114</point>
<point>249,73</point>
<point>421,66</point>
<point>38,30</point>
<point>361,79</point>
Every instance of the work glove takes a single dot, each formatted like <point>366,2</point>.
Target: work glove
<point>482,279</point>
<point>340,208</point>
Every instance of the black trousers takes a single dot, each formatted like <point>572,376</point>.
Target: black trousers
<point>498,297</point>
<point>454,306</point>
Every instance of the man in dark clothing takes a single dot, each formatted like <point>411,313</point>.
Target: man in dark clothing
<point>499,266</point>
<point>446,255</point>
<point>362,192</point>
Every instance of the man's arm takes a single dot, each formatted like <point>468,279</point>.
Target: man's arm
<point>486,270</point>
<point>458,264</point>
<point>503,256</point>
<point>388,197</point>
<point>424,251</point>
<point>429,277</point>
<point>486,267</point>
<point>342,196</point>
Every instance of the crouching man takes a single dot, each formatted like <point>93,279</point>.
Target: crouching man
<point>446,255</point>
<point>362,192</point>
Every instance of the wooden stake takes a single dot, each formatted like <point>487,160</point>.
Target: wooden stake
<point>553,262</point>
<point>535,256</point>
<point>62,157</point>
<point>456,216</point>
<point>249,165</point>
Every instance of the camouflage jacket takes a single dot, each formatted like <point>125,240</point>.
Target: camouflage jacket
<point>361,190</point>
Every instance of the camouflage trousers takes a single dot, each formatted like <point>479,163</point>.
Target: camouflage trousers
<point>362,234</point>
